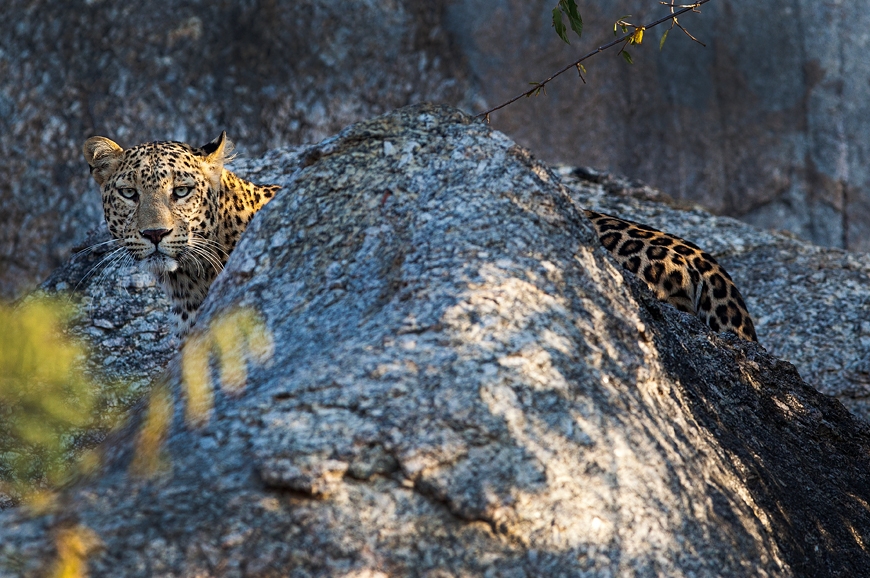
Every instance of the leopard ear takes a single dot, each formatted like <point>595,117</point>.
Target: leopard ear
<point>103,156</point>
<point>217,153</point>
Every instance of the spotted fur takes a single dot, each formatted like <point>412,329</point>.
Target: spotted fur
<point>176,210</point>
<point>677,271</point>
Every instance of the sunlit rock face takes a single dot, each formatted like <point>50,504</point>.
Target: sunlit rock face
<point>460,381</point>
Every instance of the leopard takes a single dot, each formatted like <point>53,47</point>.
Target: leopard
<point>677,271</point>
<point>177,211</point>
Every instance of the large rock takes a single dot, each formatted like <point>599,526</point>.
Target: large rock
<point>463,382</point>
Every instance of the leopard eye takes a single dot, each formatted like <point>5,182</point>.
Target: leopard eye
<point>181,192</point>
<point>128,193</point>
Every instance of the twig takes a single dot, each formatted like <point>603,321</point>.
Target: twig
<point>538,86</point>
<point>675,21</point>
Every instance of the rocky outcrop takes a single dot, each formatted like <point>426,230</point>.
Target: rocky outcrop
<point>463,382</point>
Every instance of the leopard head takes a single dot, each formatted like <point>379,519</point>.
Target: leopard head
<point>160,199</point>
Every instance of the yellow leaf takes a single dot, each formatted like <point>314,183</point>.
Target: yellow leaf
<point>147,460</point>
<point>637,37</point>
<point>74,545</point>
<point>197,379</point>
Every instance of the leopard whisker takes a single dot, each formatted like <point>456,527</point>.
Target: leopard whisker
<point>91,248</point>
<point>214,245</point>
<point>116,263</point>
<point>203,251</point>
<point>190,257</point>
<point>108,259</point>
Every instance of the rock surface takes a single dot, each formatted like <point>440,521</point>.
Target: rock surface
<point>463,382</point>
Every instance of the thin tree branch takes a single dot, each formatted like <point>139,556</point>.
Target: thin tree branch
<point>675,21</point>
<point>538,86</point>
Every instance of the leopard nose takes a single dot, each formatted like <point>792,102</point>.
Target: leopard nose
<point>154,235</point>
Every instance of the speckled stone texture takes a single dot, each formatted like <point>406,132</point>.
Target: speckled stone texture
<point>465,384</point>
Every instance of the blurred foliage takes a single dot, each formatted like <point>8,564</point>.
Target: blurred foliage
<point>46,400</point>
<point>73,547</point>
<point>148,459</point>
<point>234,339</point>
<point>230,343</point>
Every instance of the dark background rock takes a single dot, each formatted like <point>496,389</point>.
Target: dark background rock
<point>464,382</point>
<point>768,123</point>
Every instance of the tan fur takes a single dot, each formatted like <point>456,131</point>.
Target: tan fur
<point>678,272</point>
<point>177,210</point>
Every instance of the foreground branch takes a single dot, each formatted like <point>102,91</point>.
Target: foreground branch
<point>539,86</point>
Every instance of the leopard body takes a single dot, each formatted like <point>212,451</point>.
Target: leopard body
<point>677,272</point>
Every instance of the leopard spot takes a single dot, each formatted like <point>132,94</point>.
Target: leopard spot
<point>662,241</point>
<point>702,264</point>
<point>684,250</point>
<point>638,233</point>
<point>722,314</point>
<point>680,294</point>
<point>737,319</point>
<point>632,264</point>
<point>656,253</point>
<point>720,288</point>
<point>630,248</point>
<point>653,272</point>
<point>612,225</point>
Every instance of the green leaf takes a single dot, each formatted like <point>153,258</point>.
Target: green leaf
<point>664,37</point>
<point>561,30</point>
<point>574,19</point>
<point>627,57</point>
